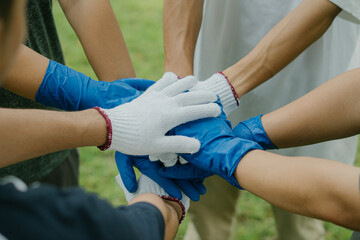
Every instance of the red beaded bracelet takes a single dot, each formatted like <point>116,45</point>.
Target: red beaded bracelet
<point>108,130</point>
<point>179,202</point>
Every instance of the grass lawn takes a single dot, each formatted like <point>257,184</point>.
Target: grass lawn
<point>141,23</point>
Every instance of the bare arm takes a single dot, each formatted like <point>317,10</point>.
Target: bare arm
<point>318,188</point>
<point>328,112</point>
<point>30,133</point>
<point>170,211</point>
<point>181,26</point>
<point>290,37</point>
<point>98,30</point>
<point>27,73</point>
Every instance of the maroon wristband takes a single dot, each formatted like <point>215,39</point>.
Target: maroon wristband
<point>236,96</point>
<point>108,130</point>
<point>179,202</point>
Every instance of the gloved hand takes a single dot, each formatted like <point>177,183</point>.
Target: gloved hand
<point>220,150</point>
<point>146,185</point>
<point>192,188</point>
<point>253,129</point>
<point>219,84</point>
<point>139,127</point>
<point>67,89</point>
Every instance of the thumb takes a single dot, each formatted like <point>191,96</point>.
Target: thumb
<point>139,83</point>
<point>127,174</point>
<point>178,144</point>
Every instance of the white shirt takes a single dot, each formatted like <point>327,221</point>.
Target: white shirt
<point>232,28</point>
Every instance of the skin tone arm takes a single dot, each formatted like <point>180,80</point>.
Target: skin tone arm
<point>22,138</point>
<point>289,38</point>
<point>317,188</point>
<point>27,81</point>
<point>181,26</point>
<point>96,26</point>
<point>171,212</point>
<point>328,112</point>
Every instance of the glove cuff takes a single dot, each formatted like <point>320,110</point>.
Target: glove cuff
<point>258,132</point>
<point>219,84</point>
<point>124,130</point>
<point>108,130</point>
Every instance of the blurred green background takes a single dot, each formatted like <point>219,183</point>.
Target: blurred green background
<point>141,24</point>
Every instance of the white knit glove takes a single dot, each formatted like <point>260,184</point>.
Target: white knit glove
<point>147,185</point>
<point>139,127</point>
<point>219,85</point>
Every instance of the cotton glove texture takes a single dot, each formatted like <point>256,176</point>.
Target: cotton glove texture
<point>67,89</point>
<point>139,127</point>
<point>146,185</point>
<point>219,85</point>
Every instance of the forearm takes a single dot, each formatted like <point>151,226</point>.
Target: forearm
<point>326,113</point>
<point>30,133</point>
<point>290,37</point>
<point>27,73</point>
<point>98,30</point>
<point>169,210</point>
<point>318,188</point>
<point>181,26</point>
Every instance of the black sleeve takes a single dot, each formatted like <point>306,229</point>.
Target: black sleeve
<point>50,213</point>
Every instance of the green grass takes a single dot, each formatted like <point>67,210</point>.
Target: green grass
<point>141,23</point>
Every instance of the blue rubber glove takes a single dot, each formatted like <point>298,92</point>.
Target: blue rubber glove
<point>253,129</point>
<point>192,188</point>
<point>67,89</point>
<point>220,150</point>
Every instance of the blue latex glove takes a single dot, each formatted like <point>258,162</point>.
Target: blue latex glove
<point>220,150</point>
<point>252,129</point>
<point>192,188</point>
<point>67,89</point>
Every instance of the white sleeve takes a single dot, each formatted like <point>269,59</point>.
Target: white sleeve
<point>351,7</point>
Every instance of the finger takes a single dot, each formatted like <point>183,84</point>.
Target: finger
<point>168,159</point>
<point>170,162</point>
<point>139,83</point>
<point>182,161</point>
<point>192,113</point>
<point>178,144</point>
<point>195,98</point>
<point>180,86</point>
<point>199,186</point>
<point>166,80</point>
<point>154,157</point>
<point>188,189</point>
<point>184,172</point>
<point>126,171</point>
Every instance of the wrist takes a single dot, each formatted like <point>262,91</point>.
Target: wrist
<point>248,73</point>
<point>108,139</point>
<point>176,205</point>
<point>92,127</point>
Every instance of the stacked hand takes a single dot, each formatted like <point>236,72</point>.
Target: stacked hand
<point>218,84</point>
<point>139,127</point>
<point>219,154</point>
